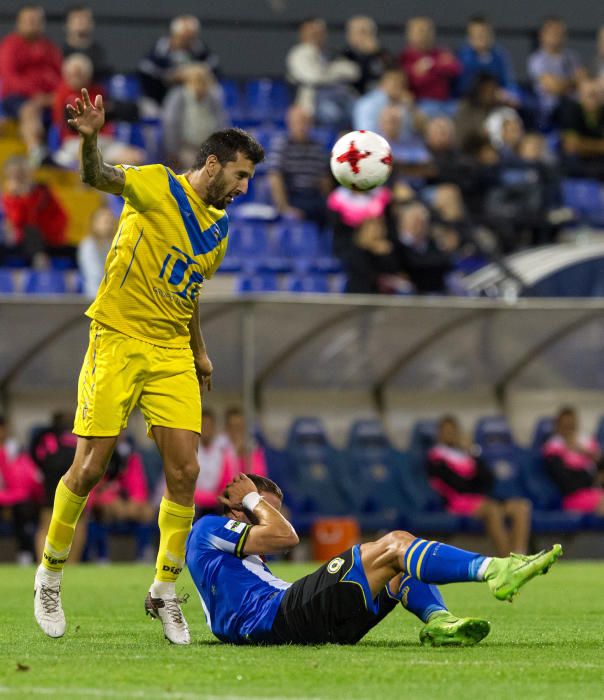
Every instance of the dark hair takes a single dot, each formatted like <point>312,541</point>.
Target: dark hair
<point>226,144</point>
<point>448,418</point>
<point>232,411</point>
<point>78,7</point>
<point>565,411</point>
<point>263,483</point>
<point>478,19</point>
<point>209,413</point>
<point>552,19</point>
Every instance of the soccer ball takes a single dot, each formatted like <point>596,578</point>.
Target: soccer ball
<point>361,160</point>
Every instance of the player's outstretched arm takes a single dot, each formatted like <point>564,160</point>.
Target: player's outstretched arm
<point>88,119</point>
<point>270,533</point>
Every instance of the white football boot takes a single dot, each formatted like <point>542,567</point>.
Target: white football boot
<point>167,609</point>
<point>48,609</point>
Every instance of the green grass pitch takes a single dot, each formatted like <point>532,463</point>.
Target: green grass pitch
<point>547,644</point>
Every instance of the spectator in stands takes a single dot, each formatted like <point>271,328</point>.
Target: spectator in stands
<point>79,38</point>
<point>163,67</point>
<point>243,454</point>
<point>93,249</point>
<point>363,48</point>
<point>324,86</point>
<point>370,262</point>
<point>396,126</point>
<point>475,108</point>
<point>122,494</point>
<point>463,480</point>
<point>30,70</point>
<point>505,130</point>
<point>582,125</point>
<point>553,69</point>
<point>298,170</point>
<point>77,73</point>
<point>480,54</point>
<point>431,70</point>
<point>20,492</point>
<point>213,474</point>
<point>441,142</point>
<point>419,257</point>
<point>53,451</point>
<point>36,220</point>
<point>191,112</point>
<point>575,463</point>
<point>391,91</point>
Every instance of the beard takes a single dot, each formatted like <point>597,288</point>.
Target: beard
<point>215,194</point>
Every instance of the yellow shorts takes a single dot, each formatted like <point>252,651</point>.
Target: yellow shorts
<point>120,372</point>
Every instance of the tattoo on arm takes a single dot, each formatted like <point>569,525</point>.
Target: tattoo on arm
<point>95,172</point>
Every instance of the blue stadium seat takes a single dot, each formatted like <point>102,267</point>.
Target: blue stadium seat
<point>232,98</point>
<point>298,240</point>
<point>308,284</point>
<point>44,282</point>
<point>258,282</point>
<point>248,240</point>
<point>423,436</point>
<point>600,432</point>
<point>586,198</point>
<point>7,284</point>
<point>267,99</point>
<point>368,434</point>
<point>124,87</point>
<point>543,431</point>
<point>493,431</point>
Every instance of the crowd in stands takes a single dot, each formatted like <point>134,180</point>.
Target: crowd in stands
<point>444,482</point>
<point>128,496</point>
<point>480,157</point>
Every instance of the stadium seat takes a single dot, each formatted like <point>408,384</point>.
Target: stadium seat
<point>423,436</point>
<point>258,282</point>
<point>298,240</point>
<point>44,282</point>
<point>543,431</point>
<point>267,99</point>
<point>232,98</point>
<point>248,240</point>
<point>7,284</point>
<point>308,284</point>
<point>368,434</point>
<point>124,87</point>
<point>586,198</point>
<point>493,431</point>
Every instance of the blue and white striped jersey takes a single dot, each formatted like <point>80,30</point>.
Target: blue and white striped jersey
<point>239,594</point>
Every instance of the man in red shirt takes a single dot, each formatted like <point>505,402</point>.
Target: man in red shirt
<point>430,69</point>
<point>30,69</point>
<point>35,221</point>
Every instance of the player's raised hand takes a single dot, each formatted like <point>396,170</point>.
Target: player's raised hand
<point>235,492</point>
<point>86,118</point>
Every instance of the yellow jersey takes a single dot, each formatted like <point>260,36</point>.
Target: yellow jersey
<point>167,242</point>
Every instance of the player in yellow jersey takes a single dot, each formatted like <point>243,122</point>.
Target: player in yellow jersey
<point>146,346</point>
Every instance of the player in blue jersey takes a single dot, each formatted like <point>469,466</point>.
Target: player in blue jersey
<point>345,598</point>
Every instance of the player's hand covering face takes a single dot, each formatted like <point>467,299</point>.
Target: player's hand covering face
<point>229,182</point>
<point>235,492</point>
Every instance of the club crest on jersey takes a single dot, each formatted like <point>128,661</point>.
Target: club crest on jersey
<point>235,526</point>
<point>335,565</point>
<point>179,271</point>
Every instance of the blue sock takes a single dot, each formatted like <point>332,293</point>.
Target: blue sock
<point>420,598</point>
<point>435,562</point>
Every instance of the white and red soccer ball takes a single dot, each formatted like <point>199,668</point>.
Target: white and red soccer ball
<point>361,160</point>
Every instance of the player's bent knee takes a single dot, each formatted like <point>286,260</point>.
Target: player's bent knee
<point>396,542</point>
<point>182,477</point>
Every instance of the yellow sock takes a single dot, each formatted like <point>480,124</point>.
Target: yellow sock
<point>174,526</point>
<point>65,514</point>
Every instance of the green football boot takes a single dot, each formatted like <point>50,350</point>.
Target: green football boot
<point>446,630</point>
<point>506,576</point>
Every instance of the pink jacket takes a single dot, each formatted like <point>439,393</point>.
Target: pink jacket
<point>131,484</point>
<point>19,478</point>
